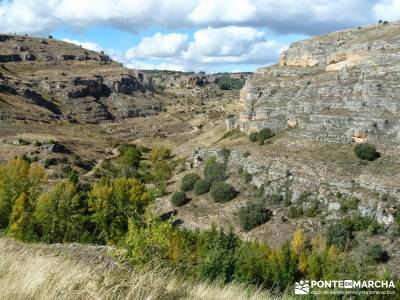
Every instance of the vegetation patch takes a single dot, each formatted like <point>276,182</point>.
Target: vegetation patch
<point>214,171</point>
<point>366,152</point>
<point>253,214</point>
<point>188,181</point>
<point>222,192</point>
<point>179,198</point>
<point>261,135</point>
<point>201,187</point>
<point>228,83</point>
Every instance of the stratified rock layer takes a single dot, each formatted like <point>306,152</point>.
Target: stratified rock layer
<point>46,79</point>
<point>338,87</point>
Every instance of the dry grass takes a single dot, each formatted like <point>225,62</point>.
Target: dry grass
<point>48,272</point>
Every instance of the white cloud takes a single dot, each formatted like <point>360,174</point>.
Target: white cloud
<point>283,16</point>
<point>388,10</point>
<point>159,45</point>
<point>210,47</point>
<point>224,41</point>
<point>224,12</point>
<point>87,45</point>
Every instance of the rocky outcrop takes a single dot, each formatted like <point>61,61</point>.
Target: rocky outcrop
<point>338,87</point>
<point>70,82</point>
<point>172,79</point>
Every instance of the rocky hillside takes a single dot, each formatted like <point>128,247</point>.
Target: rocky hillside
<point>337,87</point>
<point>179,80</point>
<point>45,79</point>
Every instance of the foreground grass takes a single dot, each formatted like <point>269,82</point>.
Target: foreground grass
<point>83,272</point>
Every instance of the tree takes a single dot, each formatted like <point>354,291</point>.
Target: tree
<point>217,257</point>
<point>18,177</point>
<point>113,203</point>
<point>21,223</point>
<point>159,153</point>
<point>129,160</point>
<point>62,214</point>
<point>188,181</point>
<point>222,192</point>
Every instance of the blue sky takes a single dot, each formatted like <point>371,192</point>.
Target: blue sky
<point>196,35</point>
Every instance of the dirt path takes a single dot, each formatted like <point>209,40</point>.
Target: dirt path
<point>114,153</point>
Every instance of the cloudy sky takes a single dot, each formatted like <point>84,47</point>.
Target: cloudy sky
<point>190,35</point>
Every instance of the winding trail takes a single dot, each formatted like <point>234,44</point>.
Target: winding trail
<point>115,152</point>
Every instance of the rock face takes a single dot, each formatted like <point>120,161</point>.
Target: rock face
<point>46,79</point>
<point>176,79</point>
<point>338,87</point>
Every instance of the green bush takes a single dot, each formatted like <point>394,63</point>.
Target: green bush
<point>201,187</point>
<point>188,181</point>
<point>274,198</point>
<point>253,137</point>
<point>366,152</point>
<point>253,215</point>
<point>214,171</point>
<point>348,203</point>
<point>261,136</point>
<point>222,191</point>
<point>225,152</point>
<point>376,254</point>
<point>295,212</point>
<point>227,83</point>
<point>247,177</point>
<point>264,134</point>
<point>340,235</point>
<point>179,199</point>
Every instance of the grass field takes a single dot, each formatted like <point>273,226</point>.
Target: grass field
<point>35,271</point>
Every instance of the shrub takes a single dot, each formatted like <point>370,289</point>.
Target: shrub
<point>227,83</point>
<point>225,152</point>
<point>264,134</point>
<point>222,192</point>
<point>275,198</point>
<point>253,137</point>
<point>295,212</point>
<point>366,152</point>
<point>253,215</point>
<point>340,234</point>
<point>188,181</point>
<point>261,136</point>
<point>348,203</point>
<point>247,177</point>
<point>376,254</point>
<point>179,199</point>
<point>160,153</point>
<point>201,187</point>
<point>214,171</point>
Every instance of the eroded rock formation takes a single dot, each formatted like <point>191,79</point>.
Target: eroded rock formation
<point>338,87</point>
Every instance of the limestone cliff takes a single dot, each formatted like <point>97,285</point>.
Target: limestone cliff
<point>338,87</point>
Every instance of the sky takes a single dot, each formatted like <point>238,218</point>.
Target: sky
<point>190,35</point>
